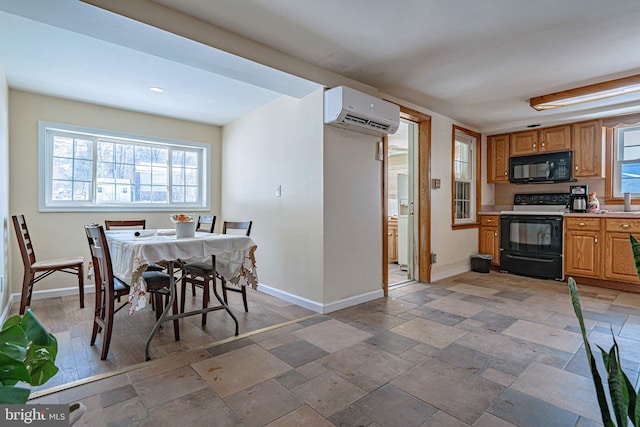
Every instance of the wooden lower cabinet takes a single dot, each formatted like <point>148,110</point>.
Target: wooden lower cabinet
<point>619,264</point>
<point>583,247</point>
<point>599,248</point>
<point>392,231</point>
<point>490,237</point>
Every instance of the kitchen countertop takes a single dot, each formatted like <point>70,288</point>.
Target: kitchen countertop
<point>601,214</point>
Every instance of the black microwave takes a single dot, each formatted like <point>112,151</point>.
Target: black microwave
<point>538,168</point>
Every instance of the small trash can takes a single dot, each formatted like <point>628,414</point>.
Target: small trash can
<point>481,263</point>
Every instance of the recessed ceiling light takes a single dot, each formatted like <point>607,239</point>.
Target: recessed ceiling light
<point>156,89</point>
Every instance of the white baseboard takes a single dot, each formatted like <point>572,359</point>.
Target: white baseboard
<point>450,270</point>
<point>53,293</point>
<point>319,307</point>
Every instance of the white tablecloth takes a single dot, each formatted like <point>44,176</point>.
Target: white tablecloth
<point>130,255</point>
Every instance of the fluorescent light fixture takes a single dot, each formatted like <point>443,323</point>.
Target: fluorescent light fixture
<point>589,93</point>
<point>156,89</point>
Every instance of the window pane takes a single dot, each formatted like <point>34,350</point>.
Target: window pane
<point>120,170</point>
<point>630,143</point>
<point>630,178</point>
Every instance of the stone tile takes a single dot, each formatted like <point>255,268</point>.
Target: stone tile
<point>328,393</point>
<point>514,295</point>
<point>352,416</point>
<point>418,298</point>
<point>413,356</point>
<point>312,370</point>
<point>262,403</point>
<point>332,335</point>
<point>545,335</point>
<point>365,366</point>
<point>231,372</point>
<point>519,354</point>
<point>453,304</point>
<point>526,411</point>
<point>490,420</point>
<point>629,348</point>
<point>303,416</point>
<point>429,332</point>
<point>278,341</point>
<point>229,346</point>
<point>391,342</point>
<point>442,419</point>
<point>473,289</point>
<point>128,412</point>
<point>563,389</point>
<point>482,301</point>
<point>459,393</point>
<point>291,379</point>
<point>201,408</point>
<point>314,321</point>
<point>466,358</point>
<point>439,316</point>
<point>495,322</point>
<point>160,366</point>
<point>390,406</point>
<point>117,395</point>
<point>628,299</point>
<point>94,388</point>
<point>153,391</point>
<point>298,353</point>
<point>499,377</point>
<point>631,328</point>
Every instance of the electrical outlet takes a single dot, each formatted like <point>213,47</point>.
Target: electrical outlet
<point>433,258</point>
<point>278,190</point>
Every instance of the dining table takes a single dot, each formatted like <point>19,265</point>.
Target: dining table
<point>133,250</point>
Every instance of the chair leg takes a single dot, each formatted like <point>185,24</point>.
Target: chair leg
<point>176,322</point>
<point>205,299</point>
<point>27,286</point>
<point>99,311</point>
<point>183,293</point>
<point>107,330</point>
<point>81,284</point>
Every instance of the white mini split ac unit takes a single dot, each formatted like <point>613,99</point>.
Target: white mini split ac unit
<point>347,108</point>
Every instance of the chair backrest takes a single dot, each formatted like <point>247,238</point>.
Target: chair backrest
<point>110,224</point>
<point>237,227</point>
<point>101,257</point>
<point>24,241</point>
<point>206,223</point>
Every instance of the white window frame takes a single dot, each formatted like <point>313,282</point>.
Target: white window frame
<point>472,142</point>
<point>617,163</point>
<point>46,133</point>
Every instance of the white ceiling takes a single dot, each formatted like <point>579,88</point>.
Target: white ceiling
<point>476,61</point>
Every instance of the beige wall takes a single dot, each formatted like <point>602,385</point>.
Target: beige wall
<point>352,217</point>
<point>279,144</point>
<point>58,235</point>
<point>4,190</point>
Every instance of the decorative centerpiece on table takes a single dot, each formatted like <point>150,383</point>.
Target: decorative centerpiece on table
<point>185,225</point>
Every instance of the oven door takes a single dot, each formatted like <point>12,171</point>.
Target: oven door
<point>531,245</point>
<point>531,234</point>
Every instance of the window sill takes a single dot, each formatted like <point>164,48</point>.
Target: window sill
<point>465,226</point>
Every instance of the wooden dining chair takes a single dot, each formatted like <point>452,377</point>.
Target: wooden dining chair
<point>109,288</point>
<point>112,224</point>
<point>34,270</point>
<point>235,227</point>
<point>206,223</point>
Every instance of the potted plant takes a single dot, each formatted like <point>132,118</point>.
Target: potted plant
<point>27,354</point>
<point>625,401</point>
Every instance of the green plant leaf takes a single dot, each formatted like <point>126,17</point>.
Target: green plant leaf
<point>12,371</point>
<point>13,342</point>
<point>11,321</point>
<point>617,386</point>
<point>13,395</point>
<point>597,380</point>
<point>636,413</point>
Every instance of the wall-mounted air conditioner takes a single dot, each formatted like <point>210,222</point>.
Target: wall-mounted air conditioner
<point>347,108</point>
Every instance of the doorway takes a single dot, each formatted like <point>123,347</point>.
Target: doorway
<point>401,184</point>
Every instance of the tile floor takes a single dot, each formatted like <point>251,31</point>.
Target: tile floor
<point>486,350</point>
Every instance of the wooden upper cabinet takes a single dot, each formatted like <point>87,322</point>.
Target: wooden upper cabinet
<point>588,149</point>
<point>556,138</point>
<point>525,142</point>
<point>498,158</point>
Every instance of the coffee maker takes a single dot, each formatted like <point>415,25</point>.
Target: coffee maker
<point>578,198</point>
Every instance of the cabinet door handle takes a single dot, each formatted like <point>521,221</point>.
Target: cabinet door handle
<point>576,168</point>
<point>390,234</point>
<point>596,240</point>
<point>505,173</point>
<point>495,234</point>
<point>489,220</point>
<point>625,226</point>
<point>582,224</point>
